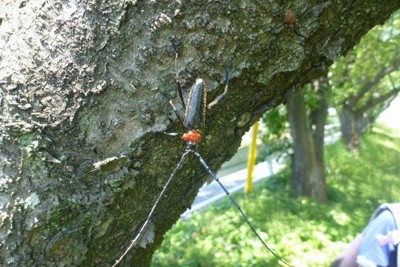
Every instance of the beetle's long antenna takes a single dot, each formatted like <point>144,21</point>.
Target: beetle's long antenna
<point>141,232</point>
<point>179,88</point>
<point>215,177</point>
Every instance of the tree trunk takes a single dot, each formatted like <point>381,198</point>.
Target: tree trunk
<point>81,108</point>
<point>307,171</point>
<point>349,129</point>
<point>318,117</point>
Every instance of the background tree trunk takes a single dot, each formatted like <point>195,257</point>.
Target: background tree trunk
<point>81,106</point>
<point>318,118</point>
<point>348,128</point>
<point>355,121</point>
<point>303,159</point>
<point>308,176</point>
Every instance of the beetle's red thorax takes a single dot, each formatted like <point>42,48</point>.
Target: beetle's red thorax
<point>193,137</point>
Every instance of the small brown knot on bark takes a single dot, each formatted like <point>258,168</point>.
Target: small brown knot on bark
<point>290,19</point>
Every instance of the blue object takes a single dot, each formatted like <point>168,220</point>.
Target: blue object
<point>371,254</point>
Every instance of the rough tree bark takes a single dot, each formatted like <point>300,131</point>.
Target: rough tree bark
<point>81,160</point>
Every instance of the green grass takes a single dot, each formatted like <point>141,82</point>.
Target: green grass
<point>302,231</point>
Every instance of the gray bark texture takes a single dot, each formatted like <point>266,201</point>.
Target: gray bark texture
<point>82,160</point>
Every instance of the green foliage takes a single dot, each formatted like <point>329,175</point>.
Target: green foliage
<point>374,61</point>
<point>302,231</point>
<point>367,63</point>
<point>276,131</point>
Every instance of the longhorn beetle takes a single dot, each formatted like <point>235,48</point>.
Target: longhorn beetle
<point>193,121</point>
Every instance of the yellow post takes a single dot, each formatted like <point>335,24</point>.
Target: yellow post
<point>251,161</point>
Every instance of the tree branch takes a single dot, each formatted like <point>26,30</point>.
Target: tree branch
<point>371,83</point>
<point>373,101</point>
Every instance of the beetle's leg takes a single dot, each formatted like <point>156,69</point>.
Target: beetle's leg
<point>180,94</point>
<point>169,98</point>
<point>227,78</point>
